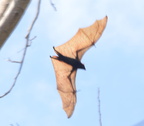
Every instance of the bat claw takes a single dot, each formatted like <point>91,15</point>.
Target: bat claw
<point>59,54</point>
<point>75,91</point>
<point>54,57</point>
<point>54,49</point>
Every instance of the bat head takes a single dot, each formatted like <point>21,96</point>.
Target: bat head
<point>82,66</point>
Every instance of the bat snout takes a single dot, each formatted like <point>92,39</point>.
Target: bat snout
<point>83,66</point>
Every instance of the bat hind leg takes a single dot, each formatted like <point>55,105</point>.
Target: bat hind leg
<point>69,77</point>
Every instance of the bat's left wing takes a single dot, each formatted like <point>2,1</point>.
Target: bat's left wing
<point>65,85</point>
<point>83,40</point>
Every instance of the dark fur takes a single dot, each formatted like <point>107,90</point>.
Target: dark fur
<point>71,61</point>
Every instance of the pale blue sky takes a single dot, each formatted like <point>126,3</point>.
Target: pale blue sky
<point>116,65</point>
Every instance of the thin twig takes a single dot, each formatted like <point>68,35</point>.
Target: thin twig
<point>17,124</point>
<point>13,125</point>
<point>25,51</point>
<point>13,61</point>
<point>31,27</point>
<point>53,5</point>
<point>30,42</point>
<point>99,109</point>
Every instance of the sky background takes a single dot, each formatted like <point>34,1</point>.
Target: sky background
<point>115,65</point>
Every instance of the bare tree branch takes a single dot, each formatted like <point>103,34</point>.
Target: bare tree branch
<point>11,12</point>
<point>31,27</point>
<point>3,6</point>
<point>53,5</point>
<point>13,125</point>
<point>99,107</point>
<point>25,50</point>
<point>13,61</point>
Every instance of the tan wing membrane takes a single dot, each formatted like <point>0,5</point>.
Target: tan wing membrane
<point>83,40</point>
<point>65,85</point>
<point>74,49</point>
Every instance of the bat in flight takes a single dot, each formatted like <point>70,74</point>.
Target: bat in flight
<point>69,60</point>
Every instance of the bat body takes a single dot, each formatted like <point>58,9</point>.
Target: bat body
<point>68,61</point>
<point>75,63</point>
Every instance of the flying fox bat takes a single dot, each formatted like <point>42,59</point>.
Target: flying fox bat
<point>68,61</point>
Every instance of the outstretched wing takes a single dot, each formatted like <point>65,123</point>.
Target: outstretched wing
<point>83,40</point>
<point>65,78</point>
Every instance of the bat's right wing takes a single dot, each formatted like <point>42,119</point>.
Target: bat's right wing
<point>83,40</point>
<point>66,85</point>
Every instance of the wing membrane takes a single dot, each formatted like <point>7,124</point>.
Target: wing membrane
<point>65,85</point>
<point>83,40</point>
<point>74,48</point>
